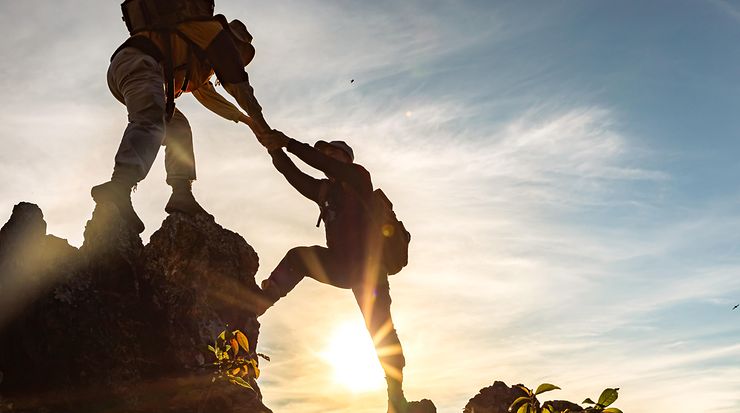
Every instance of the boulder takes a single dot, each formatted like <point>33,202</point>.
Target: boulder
<point>118,326</point>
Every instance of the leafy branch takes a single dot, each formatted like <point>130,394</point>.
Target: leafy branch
<point>235,362</point>
<point>530,404</point>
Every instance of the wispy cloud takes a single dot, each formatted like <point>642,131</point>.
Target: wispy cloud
<point>548,239</point>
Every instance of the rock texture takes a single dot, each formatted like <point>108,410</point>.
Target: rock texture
<point>422,406</point>
<point>498,397</point>
<point>117,326</point>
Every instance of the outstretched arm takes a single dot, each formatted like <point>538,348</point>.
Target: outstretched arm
<point>307,185</point>
<point>341,171</point>
<point>229,68</point>
<point>213,101</point>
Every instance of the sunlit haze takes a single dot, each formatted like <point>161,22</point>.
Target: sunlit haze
<point>350,353</point>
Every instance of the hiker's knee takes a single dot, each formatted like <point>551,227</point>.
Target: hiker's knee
<point>296,254</point>
<point>301,256</point>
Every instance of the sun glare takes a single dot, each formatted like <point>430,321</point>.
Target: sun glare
<point>351,354</point>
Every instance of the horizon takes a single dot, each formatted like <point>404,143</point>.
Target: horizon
<point>567,172</point>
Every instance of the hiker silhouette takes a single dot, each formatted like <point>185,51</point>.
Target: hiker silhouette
<point>353,257</point>
<point>180,44</point>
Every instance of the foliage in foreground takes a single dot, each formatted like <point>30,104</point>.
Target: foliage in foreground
<point>530,404</point>
<point>235,362</point>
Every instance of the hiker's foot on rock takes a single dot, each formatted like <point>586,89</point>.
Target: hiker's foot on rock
<point>184,202</point>
<point>119,195</point>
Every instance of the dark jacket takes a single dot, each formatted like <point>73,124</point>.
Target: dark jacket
<point>345,210</point>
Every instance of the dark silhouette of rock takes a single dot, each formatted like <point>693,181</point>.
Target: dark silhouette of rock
<point>422,406</point>
<point>562,405</point>
<point>498,397</point>
<point>117,326</point>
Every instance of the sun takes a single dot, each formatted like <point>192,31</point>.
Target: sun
<point>351,355</point>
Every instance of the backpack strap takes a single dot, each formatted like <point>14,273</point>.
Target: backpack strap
<point>169,74</point>
<point>323,192</point>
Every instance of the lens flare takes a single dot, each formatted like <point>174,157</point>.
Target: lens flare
<point>351,355</point>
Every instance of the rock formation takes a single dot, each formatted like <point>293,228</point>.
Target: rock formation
<point>117,326</point>
<point>498,397</point>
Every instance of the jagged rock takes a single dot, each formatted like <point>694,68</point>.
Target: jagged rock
<point>498,397</point>
<point>117,326</point>
<point>30,260</point>
<point>422,406</point>
<point>494,399</point>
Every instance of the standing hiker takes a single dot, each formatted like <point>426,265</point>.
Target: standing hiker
<point>352,258</point>
<point>179,44</point>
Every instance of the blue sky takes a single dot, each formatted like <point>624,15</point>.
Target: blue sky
<point>567,170</point>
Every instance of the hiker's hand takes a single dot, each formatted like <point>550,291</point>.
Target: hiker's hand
<point>273,140</point>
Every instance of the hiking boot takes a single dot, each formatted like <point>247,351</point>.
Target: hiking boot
<point>182,200</point>
<point>267,298</point>
<point>119,194</point>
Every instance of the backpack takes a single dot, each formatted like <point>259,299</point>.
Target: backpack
<point>158,15</point>
<point>391,234</point>
<point>395,238</point>
<point>164,16</point>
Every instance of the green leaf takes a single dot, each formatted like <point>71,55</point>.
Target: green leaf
<point>222,336</point>
<point>548,409</point>
<point>612,410</point>
<point>526,408</point>
<point>544,387</point>
<point>588,401</point>
<point>517,402</point>
<point>241,382</point>
<point>525,388</point>
<point>608,396</point>
<point>213,350</point>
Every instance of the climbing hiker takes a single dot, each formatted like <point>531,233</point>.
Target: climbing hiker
<point>357,255</point>
<point>178,44</point>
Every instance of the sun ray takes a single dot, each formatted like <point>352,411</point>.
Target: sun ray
<point>351,354</point>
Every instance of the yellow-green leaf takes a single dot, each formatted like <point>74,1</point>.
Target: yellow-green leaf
<point>242,340</point>
<point>612,410</point>
<point>517,402</point>
<point>588,401</point>
<point>608,396</point>
<point>526,390</point>
<point>544,387</point>
<point>241,382</point>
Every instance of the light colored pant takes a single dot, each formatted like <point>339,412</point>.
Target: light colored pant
<point>137,81</point>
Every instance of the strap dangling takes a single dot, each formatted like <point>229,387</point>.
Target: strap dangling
<point>323,191</point>
<point>169,73</point>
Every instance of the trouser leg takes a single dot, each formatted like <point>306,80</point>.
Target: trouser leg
<point>179,157</point>
<point>316,262</point>
<point>375,303</point>
<point>373,297</point>
<point>136,80</point>
<point>179,161</point>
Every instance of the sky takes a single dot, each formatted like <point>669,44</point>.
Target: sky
<point>567,170</point>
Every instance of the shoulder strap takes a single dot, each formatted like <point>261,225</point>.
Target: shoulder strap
<point>323,192</point>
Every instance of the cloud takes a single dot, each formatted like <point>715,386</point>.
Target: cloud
<point>547,244</point>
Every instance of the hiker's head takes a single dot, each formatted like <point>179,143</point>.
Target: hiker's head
<point>338,150</point>
<point>243,40</point>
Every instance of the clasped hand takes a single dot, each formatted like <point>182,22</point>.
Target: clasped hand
<point>273,139</point>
